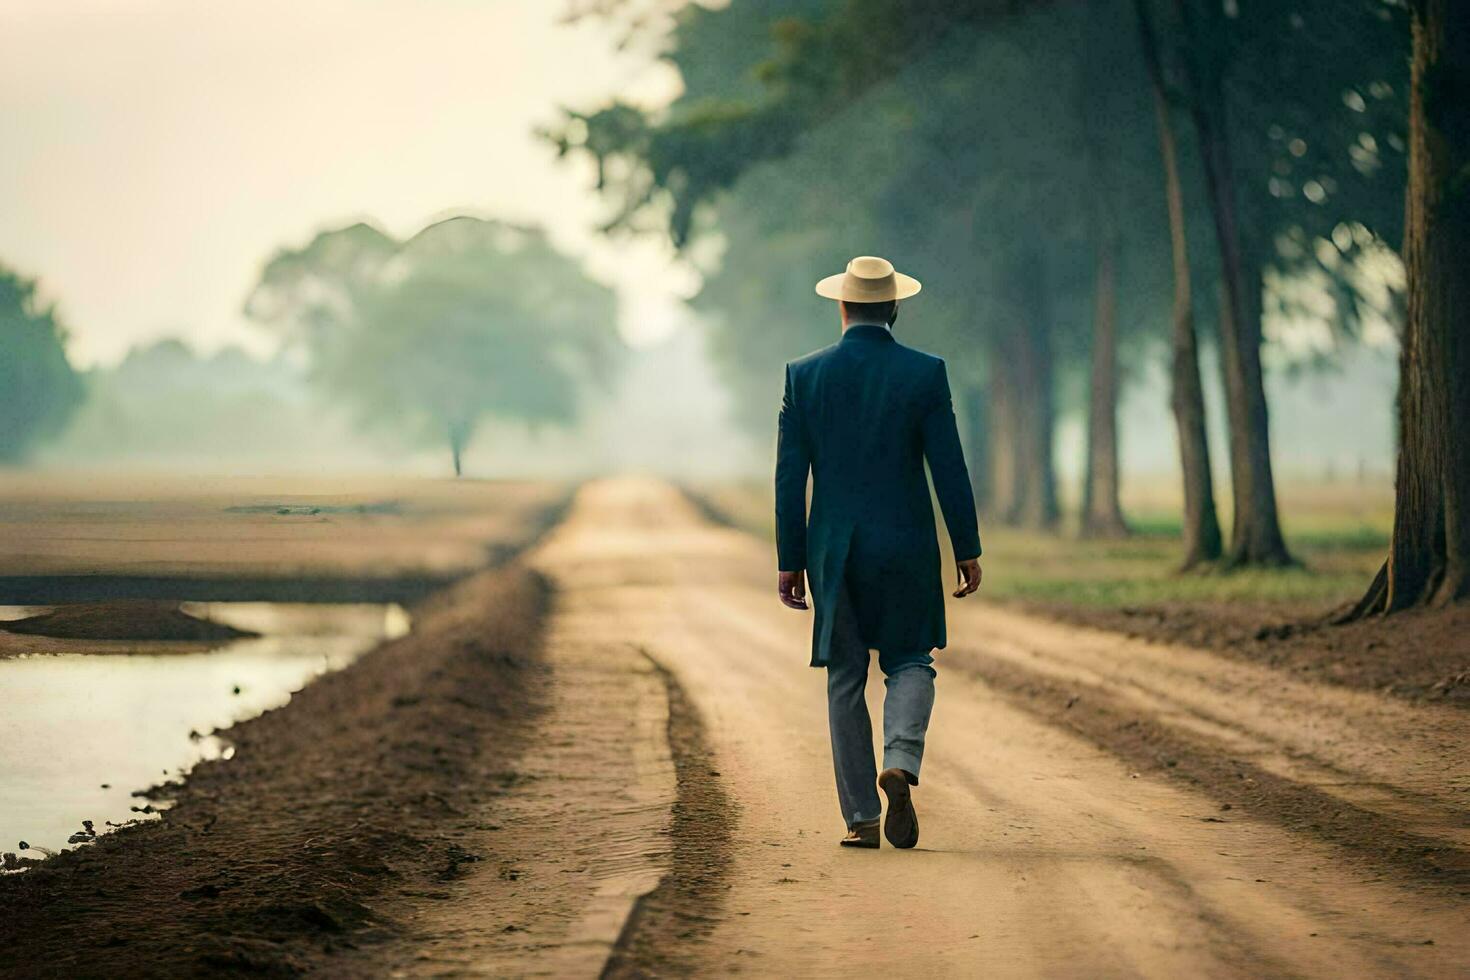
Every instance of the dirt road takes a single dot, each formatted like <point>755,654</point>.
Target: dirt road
<point>627,774</point>
<point>1042,854</point>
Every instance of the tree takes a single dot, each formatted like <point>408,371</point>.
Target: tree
<point>1293,104</point>
<point>976,185</point>
<point>309,296</point>
<point>1255,531</point>
<point>1429,553</point>
<point>1276,93</point>
<point>466,320</point>
<point>39,389</point>
<point>1200,527</point>
<point>1111,112</point>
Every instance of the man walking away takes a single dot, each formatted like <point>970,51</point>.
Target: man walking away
<point>861,417</point>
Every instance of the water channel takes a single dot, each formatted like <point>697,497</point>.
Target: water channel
<point>80,732</point>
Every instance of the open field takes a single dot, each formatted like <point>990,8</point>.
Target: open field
<point>70,536</point>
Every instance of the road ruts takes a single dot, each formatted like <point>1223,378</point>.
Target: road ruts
<point>1041,854</point>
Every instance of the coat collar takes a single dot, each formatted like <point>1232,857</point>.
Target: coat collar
<point>867,331</point>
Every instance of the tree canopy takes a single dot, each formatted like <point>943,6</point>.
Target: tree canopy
<point>39,389</point>
<point>1010,150</point>
<point>467,319</point>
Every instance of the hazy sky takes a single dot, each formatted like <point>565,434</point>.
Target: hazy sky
<point>156,152</point>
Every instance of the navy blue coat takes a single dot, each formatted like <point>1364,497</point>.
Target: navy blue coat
<point>862,416</point>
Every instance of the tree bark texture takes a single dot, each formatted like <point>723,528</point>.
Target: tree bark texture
<point>1200,529</point>
<point>1429,554</point>
<point>1255,533</point>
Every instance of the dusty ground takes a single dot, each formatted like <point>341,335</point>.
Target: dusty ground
<point>1048,848</point>
<point>1419,655</point>
<point>643,788</point>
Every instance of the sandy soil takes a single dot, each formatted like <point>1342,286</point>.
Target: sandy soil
<point>579,835</point>
<point>1043,853</point>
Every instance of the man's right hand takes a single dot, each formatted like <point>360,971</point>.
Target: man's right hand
<point>792,587</point>
<point>969,576</point>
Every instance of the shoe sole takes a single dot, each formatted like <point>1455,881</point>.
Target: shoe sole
<point>901,824</point>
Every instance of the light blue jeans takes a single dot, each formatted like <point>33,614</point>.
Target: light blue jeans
<point>909,681</point>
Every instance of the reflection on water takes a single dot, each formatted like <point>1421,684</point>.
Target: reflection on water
<point>79,733</point>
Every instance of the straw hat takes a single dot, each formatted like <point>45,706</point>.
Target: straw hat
<point>868,279</point>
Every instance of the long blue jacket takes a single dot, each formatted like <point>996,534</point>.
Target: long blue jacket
<point>861,417</point>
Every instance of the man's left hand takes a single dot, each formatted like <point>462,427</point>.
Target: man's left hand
<point>969,576</point>
<point>792,587</point>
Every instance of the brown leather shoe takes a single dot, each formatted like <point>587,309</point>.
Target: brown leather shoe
<point>862,835</point>
<point>901,825</point>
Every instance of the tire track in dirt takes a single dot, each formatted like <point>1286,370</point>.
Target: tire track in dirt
<point>1371,841</point>
<point>661,935</point>
<point>1386,779</point>
<point>574,841</point>
<point>1404,761</point>
<point>1040,856</point>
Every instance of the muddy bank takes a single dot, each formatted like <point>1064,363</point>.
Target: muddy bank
<point>1417,655</point>
<point>333,813</point>
<point>124,621</point>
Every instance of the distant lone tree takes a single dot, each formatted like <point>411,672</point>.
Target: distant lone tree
<point>39,389</point>
<point>469,319</point>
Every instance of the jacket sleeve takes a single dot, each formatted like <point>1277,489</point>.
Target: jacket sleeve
<point>793,462</point>
<point>947,466</point>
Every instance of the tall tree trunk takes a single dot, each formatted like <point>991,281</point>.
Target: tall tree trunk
<point>1102,516</point>
<point>1255,533</point>
<point>1022,421</point>
<point>1036,415</point>
<point>1440,188</point>
<point>1004,474</point>
<point>457,438</point>
<point>1039,509</point>
<point>1201,525</point>
<point>977,443</point>
<point>1255,529</point>
<point>1429,555</point>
